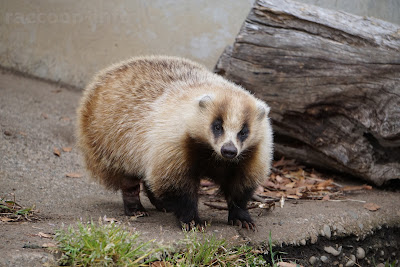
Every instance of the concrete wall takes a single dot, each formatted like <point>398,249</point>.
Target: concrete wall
<point>69,41</point>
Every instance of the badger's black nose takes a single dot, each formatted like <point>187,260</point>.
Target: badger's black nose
<point>229,151</point>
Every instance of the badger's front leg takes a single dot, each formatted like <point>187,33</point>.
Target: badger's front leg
<point>185,208</point>
<point>237,206</point>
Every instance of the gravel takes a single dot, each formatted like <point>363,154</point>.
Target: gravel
<point>360,254</point>
<point>327,231</point>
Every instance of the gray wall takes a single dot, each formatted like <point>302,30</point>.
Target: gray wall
<point>69,41</point>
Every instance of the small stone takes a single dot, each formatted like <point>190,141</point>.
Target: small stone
<point>352,257</point>
<point>380,265</point>
<point>360,254</point>
<point>340,230</point>
<point>350,263</point>
<point>332,251</point>
<point>303,242</point>
<point>314,239</point>
<point>324,259</point>
<point>361,226</point>
<point>312,260</point>
<point>327,231</point>
<point>382,253</point>
<point>7,133</point>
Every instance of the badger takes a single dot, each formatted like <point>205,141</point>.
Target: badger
<point>168,122</point>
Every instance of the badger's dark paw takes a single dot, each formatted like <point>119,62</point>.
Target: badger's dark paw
<point>241,217</point>
<point>249,225</point>
<point>137,211</point>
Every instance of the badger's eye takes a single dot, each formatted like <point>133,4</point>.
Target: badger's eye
<point>217,128</point>
<point>244,133</point>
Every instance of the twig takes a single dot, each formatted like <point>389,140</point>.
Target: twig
<point>347,199</point>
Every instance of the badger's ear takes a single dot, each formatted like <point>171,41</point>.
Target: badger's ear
<point>262,109</point>
<point>205,100</point>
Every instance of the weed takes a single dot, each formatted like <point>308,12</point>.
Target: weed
<point>102,245</point>
<point>207,250</point>
<point>111,245</point>
<point>11,211</point>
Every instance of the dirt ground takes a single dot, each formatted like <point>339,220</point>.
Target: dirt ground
<point>36,117</point>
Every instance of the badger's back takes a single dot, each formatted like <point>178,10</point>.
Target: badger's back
<point>112,117</point>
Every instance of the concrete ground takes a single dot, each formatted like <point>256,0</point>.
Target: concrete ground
<point>36,117</point>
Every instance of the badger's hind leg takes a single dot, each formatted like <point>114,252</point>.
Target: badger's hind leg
<point>130,187</point>
<point>156,202</point>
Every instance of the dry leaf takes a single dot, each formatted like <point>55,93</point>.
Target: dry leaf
<point>284,163</point>
<point>43,235</point>
<point>355,188</point>
<point>67,149</point>
<point>209,191</point>
<point>49,245</point>
<point>290,185</point>
<point>288,264</point>
<point>74,175</point>
<point>5,219</point>
<point>268,183</point>
<point>371,206</point>
<point>56,152</point>
<point>325,198</point>
<point>161,264</point>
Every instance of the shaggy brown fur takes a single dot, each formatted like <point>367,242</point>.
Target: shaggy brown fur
<point>170,122</point>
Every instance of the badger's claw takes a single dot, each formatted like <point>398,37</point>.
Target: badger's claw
<point>141,213</point>
<point>136,212</point>
<point>243,224</point>
<point>194,224</point>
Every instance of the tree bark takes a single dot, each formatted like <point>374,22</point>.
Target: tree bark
<point>332,80</point>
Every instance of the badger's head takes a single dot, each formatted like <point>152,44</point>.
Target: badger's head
<point>232,124</point>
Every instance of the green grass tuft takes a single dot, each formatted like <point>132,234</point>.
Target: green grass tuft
<point>112,245</point>
<point>102,245</point>
<point>201,249</point>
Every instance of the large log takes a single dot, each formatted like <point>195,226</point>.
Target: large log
<point>332,80</point>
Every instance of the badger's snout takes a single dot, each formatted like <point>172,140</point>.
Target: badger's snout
<point>229,151</point>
